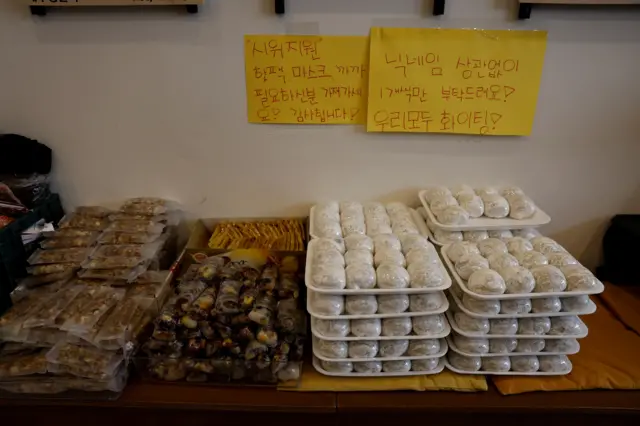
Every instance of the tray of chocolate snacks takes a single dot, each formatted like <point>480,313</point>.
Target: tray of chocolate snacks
<point>232,317</point>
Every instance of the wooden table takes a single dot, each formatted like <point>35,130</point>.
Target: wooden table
<point>148,404</point>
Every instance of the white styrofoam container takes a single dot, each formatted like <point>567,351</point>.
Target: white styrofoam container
<point>454,325</point>
<point>319,369</point>
<point>463,286</point>
<point>445,333</point>
<point>311,294</point>
<point>506,373</point>
<point>309,282</point>
<point>443,351</point>
<point>591,308</point>
<point>486,223</point>
<point>451,344</point>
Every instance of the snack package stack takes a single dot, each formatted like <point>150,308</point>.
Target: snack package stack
<point>282,234</point>
<point>375,292</point>
<point>233,317</point>
<point>515,305</point>
<point>138,238</point>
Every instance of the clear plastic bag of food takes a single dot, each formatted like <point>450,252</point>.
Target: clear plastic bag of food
<point>83,320</point>
<point>393,348</point>
<point>546,245</point>
<point>146,205</point>
<point>115,237</point>
<point>93,211</point>
<point>530,345</point>
<point>518,245</point>
<point>501,234</point>
<point>73,242</point>
<point>127,274</point>
<point>453,215</point>
<point>515,306</point>
<point>358,242</point>
<point>70,233</point>
<point>331,348</point>
<point>333,328</point>
<point>464,363</point>
<point>554,363</point>
<point>34,281</point>
<point>326,228</point>
<point>495,206</point>
<point>366,327</point>
<point>491,246</point>
<point>360,276</point>
<point>142,251</point>
<point>486,281</point>
<point>386,242</point>
<point>392,276</point>
<point>263,311</point>
<point>562,345</point>
<point>470,263</point>
<point>429,364</point>
<point>472,204</point>
<point>569,325</point>
<point>423,347</point>
<point>505,326</point>
<point>290,319</point>
<point>392,303</point>
<point>118,326</point>
<point>422,255</point>
<point>394,257</point>
<point>363,349</point>
<point>439,204</point>
<point>353,226</point>
<point>368,367</point>
<point>47,314</point>
<point>328,257</point>
<point>361,304</point>
<point>500,364</point>
<point>23,364</point>
<point>502,346</point>
<point>546,305</point>
<point>426,302</point>
<point>137,226</point>
<point>517,279</point>
<point>68,255</point>
<point>461,248</point>
<point>358,257</point>
<point>327,304</point>
<point>549,279</point>
<point>85,361</point>
<point>579,278</point>
<point>471,345</point>
<point>521,206</point>
<point>428,325</point>
<point>445,237</point>
<point>329,276</point>
<point>475,236</point>
<point>341,367</point>
<point>536,326</point>
<point>401,366</point>
<point>471,324</point>
<point>525,363</point>
<point>396,326</point>
<point>499,261</point>
<point>426,275</point>
<point>531,259</point>
<point>479,306</point>
<point>80,221</point>
<point>576,303</point>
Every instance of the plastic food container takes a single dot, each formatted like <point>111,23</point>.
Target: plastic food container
<point>452,346</point>
<point>351,338</point>
<point>316,340</point>
<point>318,366</point>
<point>485,223</point>
<point>511,372</point>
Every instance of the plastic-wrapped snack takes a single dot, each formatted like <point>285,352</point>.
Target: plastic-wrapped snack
<point>144,251</point>
<point>569,325</point>
<point>93,211</point>
<point>288,286</point>
<point>423,275</point>
<point>368,367</point>
<point>113,262</point>
<point>328,228</point>
<point>470,324</point>
<point>118,328</point>
<point>74,242</point>
<point>406,226</point>
<point>495,206</point>
<point>334,328</point>
<point>401,366</point>
<point>411,241</point>
<point>461,189</point>
<point>444,237</point>
<point>86,360</point>
<point>521,206</point>
<point>329,276</point>
<point>546,305</point>
<point>475,236</point>
<point>554,363</point>
<point>562,345</point>
<point>471,203</point>
<point>525,363</point>
<point>202,305</point>
<point>518,245</point>
<point>471,345</point>
<point>75,220</point>
<point>358,242</point>
<point>363,349</point>
<point>561,259</point>
<point>331,349</point>
<point>366,327</point>
<point>465,363</point>
<point>576,303</point>
<point>266,335</point>
<point>426,302</point>
<point>358,256</point>
<point>496,363</point>
<point>351,209</point>
<point>429,364</point>
<point>137,226</point>
<point>548,279</point>
<point>47,314</point>
<point>70,233</point>
<point>127,274</point>
<point>23,364</point>
<point>386,242</point>
<point>428,325</point>
<point>290,319</point>
<point>492,246</point>
<point>435,192</point>
<point>269,276</point>
<point>360,276</point>
<point>530,345</point>
<point>470,263</point>
<point>536,326</point>
<point>361,305</point>
<point>291,371</point>
<point>393,348</point>
<point>422,256</point>
<point>486,281</point>
<point>546,245</point>
<point>34,281</point>
<point>375,209</point>
<point>392,276</point>
<point>341,367</point>
<point>517,279</point>
<point>102,302</point>
<point>500,261</point>
<point>57,256</point>
<point>145,205</point>
<point>515,306</point>
<point>328,210</point>
<point>501,234</point>
<point>187,292</point>
<point>438,204</point>
<point>392,303</point>
<point>487,190</point>
<point>527,233</point>
<point>579,278</point>
<point>461,248</point>
<point>396,326</point>
<point>505,326</point>
<point>394,257</point>
<point>327,304</point>
<point>116,237</point>
<point>423,347</point>
<point>479,306</point>
<point>531,259</point>
<point>353,226</point>
<point>453,215</point>
<point>262,312</point>
<point>327,244</point>
<point>502,346</point>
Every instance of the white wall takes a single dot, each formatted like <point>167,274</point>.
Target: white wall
<point>139,102</point>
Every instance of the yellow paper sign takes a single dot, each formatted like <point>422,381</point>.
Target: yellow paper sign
<point>454,81</point>
<point>306,79</point>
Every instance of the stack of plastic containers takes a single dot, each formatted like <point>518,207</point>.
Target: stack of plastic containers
<point>516,297</point>
<point>375,292</point>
